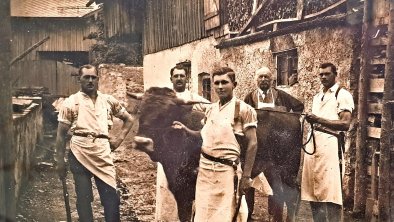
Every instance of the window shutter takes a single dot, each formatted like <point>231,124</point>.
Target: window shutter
<point>211,14</point>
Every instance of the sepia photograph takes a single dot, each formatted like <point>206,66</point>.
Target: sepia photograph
<point>196,110</point>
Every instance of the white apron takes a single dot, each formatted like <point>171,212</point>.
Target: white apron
<point>95,156</point>
<point>321,179</point>
<point>215,199</point>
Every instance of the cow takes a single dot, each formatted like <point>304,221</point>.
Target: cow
<point>279,140</point>
<point>174,149</point>
<point>278,154</point>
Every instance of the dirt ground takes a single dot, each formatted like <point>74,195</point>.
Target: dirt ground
<point>42,198</point>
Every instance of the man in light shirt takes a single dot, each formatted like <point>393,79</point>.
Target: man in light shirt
<point>166,207</point>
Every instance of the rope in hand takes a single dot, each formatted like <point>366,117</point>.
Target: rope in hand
<point>312,134</point>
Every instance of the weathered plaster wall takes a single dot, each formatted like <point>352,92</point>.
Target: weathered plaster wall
<point>201,53</point>
<point>315,46</point>
<point>28,128</point>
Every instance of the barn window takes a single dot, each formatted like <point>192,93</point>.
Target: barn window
<point>287,67</point>
<point>205,85</point>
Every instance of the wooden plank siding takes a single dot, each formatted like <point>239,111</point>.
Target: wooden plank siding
<point>123,17</point>
<point>65,35</point>
<point>56,76</point>
<point>171,23</point>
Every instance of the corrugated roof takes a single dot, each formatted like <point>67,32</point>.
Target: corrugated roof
<point>50,8</point>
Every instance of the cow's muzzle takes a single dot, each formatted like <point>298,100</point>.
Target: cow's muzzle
<point>146,145</point>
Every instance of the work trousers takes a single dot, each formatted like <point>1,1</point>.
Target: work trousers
<point>326,212</point>
<point>83,188</point>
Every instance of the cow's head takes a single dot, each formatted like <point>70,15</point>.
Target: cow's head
<point>159,108</point>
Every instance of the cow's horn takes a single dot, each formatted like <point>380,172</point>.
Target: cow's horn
<point>135,95</point>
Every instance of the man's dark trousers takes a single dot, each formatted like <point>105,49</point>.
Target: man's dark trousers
<point>83,187</point>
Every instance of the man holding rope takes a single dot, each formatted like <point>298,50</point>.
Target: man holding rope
<point>321,174</point>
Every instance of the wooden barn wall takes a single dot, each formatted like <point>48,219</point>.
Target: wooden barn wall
<point>65,35</point>
<point>171,23</point>
<point>56,76</point>
<point>124,17</point>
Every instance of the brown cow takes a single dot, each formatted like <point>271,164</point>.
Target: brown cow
<point>178,153</point>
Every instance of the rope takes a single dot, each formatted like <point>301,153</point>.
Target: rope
<point>312,135</point>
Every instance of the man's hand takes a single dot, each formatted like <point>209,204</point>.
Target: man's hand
<point>178,125</point>
<point>61,168</point>
<point>312,118</point>
<point>245,184</point>
<point>114,143</point>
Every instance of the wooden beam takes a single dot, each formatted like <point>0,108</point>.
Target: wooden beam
<point>386,142</point>
<point>299,26</point>
<point>375,108</point>
<point>376,85</point>
<point>360,182</point>
<point>254,9</point>
<point>382,40</point>
<point>277,21</point>
<point>333,6</point>
<point>378,61</point>
<point>7,150</point>
<point>298,18</point>
<point>374,132</point>
<point>300,9</point>
<point>251,19</point>
<point>27,51</point>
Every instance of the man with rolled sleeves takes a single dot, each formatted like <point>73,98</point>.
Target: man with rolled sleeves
<point>88,113</point>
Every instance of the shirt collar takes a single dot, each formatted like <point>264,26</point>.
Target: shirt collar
<point>262,92</point>
<point>227,104</point>
<point>86,96</point>
<point>331,89</point>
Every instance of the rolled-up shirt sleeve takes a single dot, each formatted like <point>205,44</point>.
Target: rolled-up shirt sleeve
<point>66,112</point>
<point>249,116</point>
<point>345,101</point>
<point>116,108</point>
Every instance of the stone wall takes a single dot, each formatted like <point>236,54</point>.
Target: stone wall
<point>28,131</point>
<point>117,79</point>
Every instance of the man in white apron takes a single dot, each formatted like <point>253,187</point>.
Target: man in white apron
<point>217,189</point>
<point>88,114</point>
<point>321,178</point>
<point>267,96</point>
<point>166,207</point>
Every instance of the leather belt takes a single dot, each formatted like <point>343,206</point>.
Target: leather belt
<point>222,161</point>
<point>102,136</point>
